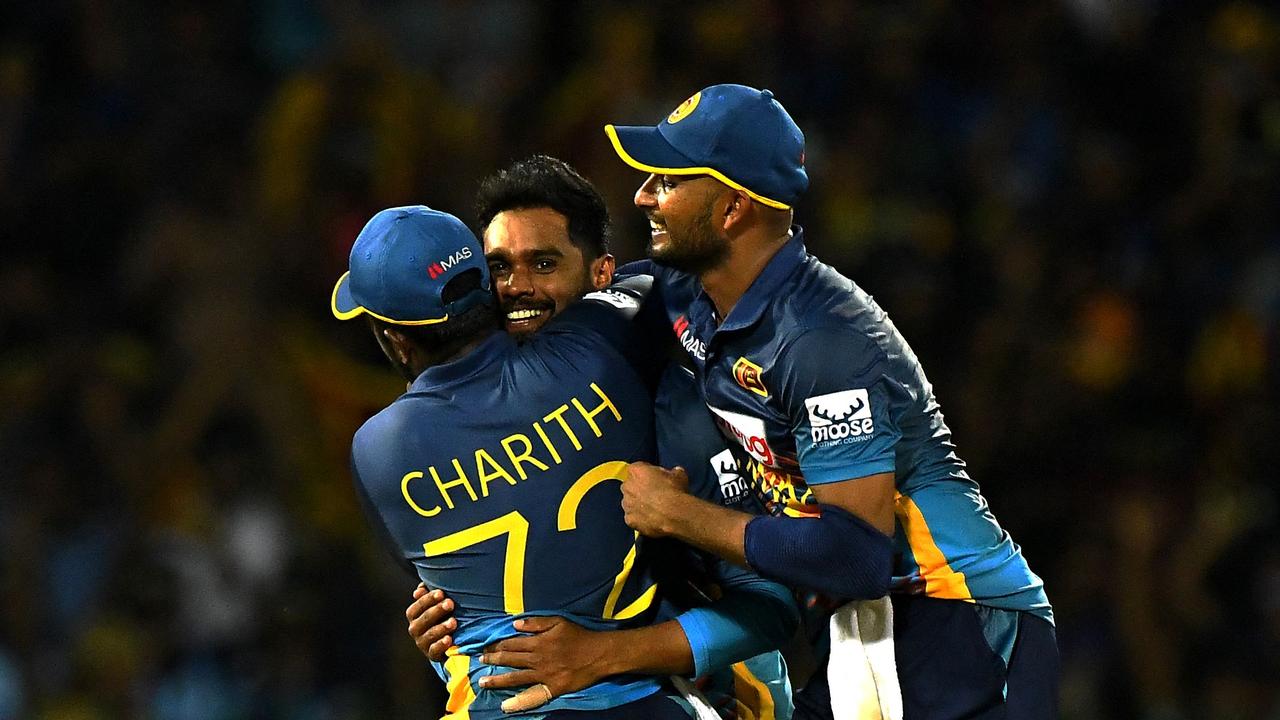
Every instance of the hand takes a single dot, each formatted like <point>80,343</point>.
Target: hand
<point>430,617</point>
<point>651,495</point>
<point>559,655</point>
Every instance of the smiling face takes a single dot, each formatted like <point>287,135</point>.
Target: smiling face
<point>537,269</point>
<point>681,209</point>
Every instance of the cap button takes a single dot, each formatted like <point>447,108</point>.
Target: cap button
<point>766,94</point>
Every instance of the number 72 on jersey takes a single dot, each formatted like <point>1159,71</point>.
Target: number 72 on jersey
<point>515,527</point>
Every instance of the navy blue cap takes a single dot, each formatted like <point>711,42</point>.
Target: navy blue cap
<point>400,263</point>
<point>740,135</point>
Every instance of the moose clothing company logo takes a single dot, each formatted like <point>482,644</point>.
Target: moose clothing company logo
<point>733,487</point>
<point>440,267</point>
<point>841,417</point>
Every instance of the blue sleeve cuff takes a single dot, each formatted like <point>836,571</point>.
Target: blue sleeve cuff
<point>740,625</point>
<point>695,624</point>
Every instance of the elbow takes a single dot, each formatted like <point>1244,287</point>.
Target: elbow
<point>862,577</point>
<point>838,553</point>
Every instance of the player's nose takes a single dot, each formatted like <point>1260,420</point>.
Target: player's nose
<point>515,284</point>
<point>645,196</point>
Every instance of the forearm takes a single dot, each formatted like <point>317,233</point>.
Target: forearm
<point>660,649</point>
<point>715,529</point>
<point>837,553</point>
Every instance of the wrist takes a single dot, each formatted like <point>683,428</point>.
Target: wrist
<point>613,656</point>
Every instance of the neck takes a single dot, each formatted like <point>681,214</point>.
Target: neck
<point>726,283</point>
<point>450,352</point>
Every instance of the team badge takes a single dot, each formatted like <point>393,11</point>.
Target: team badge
<point>685,108</point>
<point>840,417</point>
<point>747,374</point>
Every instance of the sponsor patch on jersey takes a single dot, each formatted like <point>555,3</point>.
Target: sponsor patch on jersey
<point>748,431</point>
<point>616,298</point>
<point>840,417</point>
<point>747,374</point>
<point>733,486</point>
<point>688,340</point>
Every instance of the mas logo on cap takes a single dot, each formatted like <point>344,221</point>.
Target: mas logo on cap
<point>685,108</point>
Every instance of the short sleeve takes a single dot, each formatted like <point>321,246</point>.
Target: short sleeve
<point>841,405</point>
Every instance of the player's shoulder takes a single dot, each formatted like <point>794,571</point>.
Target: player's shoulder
<point>668,280</point>
<point>822,316</point>
<point>378,434</point>
<point>821,305</point>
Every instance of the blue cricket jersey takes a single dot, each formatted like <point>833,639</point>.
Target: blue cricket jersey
<point>811,379</point>
<point>759,686</point>
<point>497,476</point>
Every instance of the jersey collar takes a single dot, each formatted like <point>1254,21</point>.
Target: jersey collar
<point>486,352</point>
<point>764,288</point>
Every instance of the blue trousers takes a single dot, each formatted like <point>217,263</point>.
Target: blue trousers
<point>948,669</point>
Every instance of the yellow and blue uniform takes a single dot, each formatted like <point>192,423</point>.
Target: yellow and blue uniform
<point>497,477</point>
<point>812,382</point>
<point>816,385</point>
<point>807,375</point>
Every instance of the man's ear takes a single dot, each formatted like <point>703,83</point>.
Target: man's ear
<point>399,345</point>
<point>602,271</point>
<point>737,207</point>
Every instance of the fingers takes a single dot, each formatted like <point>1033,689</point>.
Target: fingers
<point>424,636</point>
<point>433,617</point>
<point>518,643</point>
<point>430,623</point>
<point>508,658</point>
<point>537,624</point>
<point>436,641</point>
<point>419,591</point>
<point>438,651</point>
<point>536,696</point>
<point>423,601</point>
<point>508,680</point>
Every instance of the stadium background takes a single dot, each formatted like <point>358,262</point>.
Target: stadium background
<point>1068,206</point>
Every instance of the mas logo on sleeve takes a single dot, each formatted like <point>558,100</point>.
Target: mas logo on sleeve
<point>841,417</point>
<point>747,374</point>
<point>733,487</point>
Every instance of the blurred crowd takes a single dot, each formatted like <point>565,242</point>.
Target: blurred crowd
<point>1070,207</point>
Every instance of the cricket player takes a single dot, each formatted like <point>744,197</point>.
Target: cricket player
<point>834,414</point>
<point>496,474</point>
<point>545,235</point>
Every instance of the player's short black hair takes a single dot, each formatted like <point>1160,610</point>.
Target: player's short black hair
<point>544,181</point>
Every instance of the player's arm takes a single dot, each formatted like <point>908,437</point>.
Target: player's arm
<point>847,551</point>
<point>751,616</point>
<point>838,553</point>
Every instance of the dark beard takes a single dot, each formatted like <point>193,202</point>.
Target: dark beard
<point>700,251</point>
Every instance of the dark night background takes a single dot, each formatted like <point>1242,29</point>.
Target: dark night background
<point>1071,208</point>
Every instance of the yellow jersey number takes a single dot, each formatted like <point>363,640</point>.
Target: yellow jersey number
<point>516,528</point>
